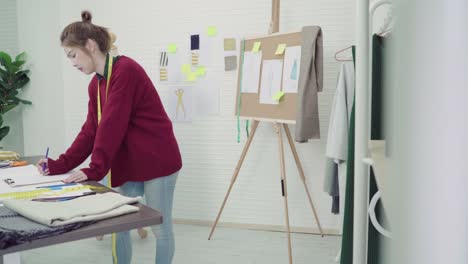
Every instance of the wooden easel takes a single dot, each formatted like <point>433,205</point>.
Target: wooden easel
<point>278,126</point>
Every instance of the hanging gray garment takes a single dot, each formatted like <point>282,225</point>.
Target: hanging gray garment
<point>310,82</point>
<point>337,140</point>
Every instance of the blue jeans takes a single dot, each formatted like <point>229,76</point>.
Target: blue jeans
<point>159,195</point>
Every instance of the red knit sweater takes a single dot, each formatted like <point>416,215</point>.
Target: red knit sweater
<point>134,138</point>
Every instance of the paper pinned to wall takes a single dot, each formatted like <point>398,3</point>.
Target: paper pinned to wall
<point>271,81</point>
<point>180,103</point>
<point>292,62</point>
<point>169,67</point>
<point>206,97</point>
<point>251,71</point>
<point>210,52</point>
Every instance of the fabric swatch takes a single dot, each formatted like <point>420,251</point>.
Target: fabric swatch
<point>195,58</point>
<point>163,59</point>
<point>194,42</point>
<point>229,44</point>
<point>230,63</point>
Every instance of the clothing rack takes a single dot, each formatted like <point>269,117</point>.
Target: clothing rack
<point>364,24</point>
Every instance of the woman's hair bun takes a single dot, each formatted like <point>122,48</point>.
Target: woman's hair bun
<point>86,16</point>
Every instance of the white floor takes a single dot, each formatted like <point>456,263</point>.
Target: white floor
<point>228,246</point>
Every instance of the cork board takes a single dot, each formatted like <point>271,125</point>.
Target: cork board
<point>250,106</point>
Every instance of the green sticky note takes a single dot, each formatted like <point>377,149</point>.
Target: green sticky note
<point>186,68</point>
<point>278,95</point>
<point>192,77</point>
<point>212,31</point>
<point>280,49</point>
<point>172,48</point>
<point>256,46</point>
<point>201,70</point>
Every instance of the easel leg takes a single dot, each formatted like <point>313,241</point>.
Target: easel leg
<point>301,173</point>
<point>284,187</point>
<point>236,172</point>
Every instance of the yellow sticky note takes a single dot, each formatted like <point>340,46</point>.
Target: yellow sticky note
<point>201,70</point>
<point>172,48</point>
<point>192,77</point>
<point>212,31</point>
<point>278,95</point>
<point>256,46</point>
<point>186,68</point>
<point>280,49</point>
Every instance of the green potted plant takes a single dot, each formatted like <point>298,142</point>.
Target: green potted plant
<point>12,79</point>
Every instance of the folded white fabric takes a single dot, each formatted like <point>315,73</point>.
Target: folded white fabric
<point>86,208</point>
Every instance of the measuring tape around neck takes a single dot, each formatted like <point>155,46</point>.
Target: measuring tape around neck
<point>109,74</point>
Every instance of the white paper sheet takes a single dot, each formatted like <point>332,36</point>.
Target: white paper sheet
<point>206,97</point>
<point>271,80</point>
<point>180,106</point>
<point>28,175</point>
<point>173,67</point>
<point>211,50</point>
<point>292,63</point>
<point>251,71</point>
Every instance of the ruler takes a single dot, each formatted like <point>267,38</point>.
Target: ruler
<point>48,192</point>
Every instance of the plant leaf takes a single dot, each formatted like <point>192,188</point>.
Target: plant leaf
<point>5,59</point>
<point>4,131</point>
<point>21,57</point>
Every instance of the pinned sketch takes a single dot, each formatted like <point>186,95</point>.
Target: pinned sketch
<point>210,52</point>
<point>206,94</point>
<point>271,81</point>
<point>180,104</point>
<point>251,71</point>
<point>163,66</point>
<point>169,67</point>
<point>292,64</point>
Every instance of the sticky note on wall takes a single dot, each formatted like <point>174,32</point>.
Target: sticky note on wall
<point>278,95</point>
<point>256,46</point>
<point>186,68</point>
<point>280,49</point>
<point>192,77</point>
<point>172,48</point>
<point>212,31</point>
<point>201,71</point>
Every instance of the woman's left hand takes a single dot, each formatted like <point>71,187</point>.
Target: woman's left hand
<point>78,176</point>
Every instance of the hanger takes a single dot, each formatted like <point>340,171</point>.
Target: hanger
<point>385,32</point>
<point>340,51</point>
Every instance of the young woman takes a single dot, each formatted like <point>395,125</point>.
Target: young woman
<point>127,132</point>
